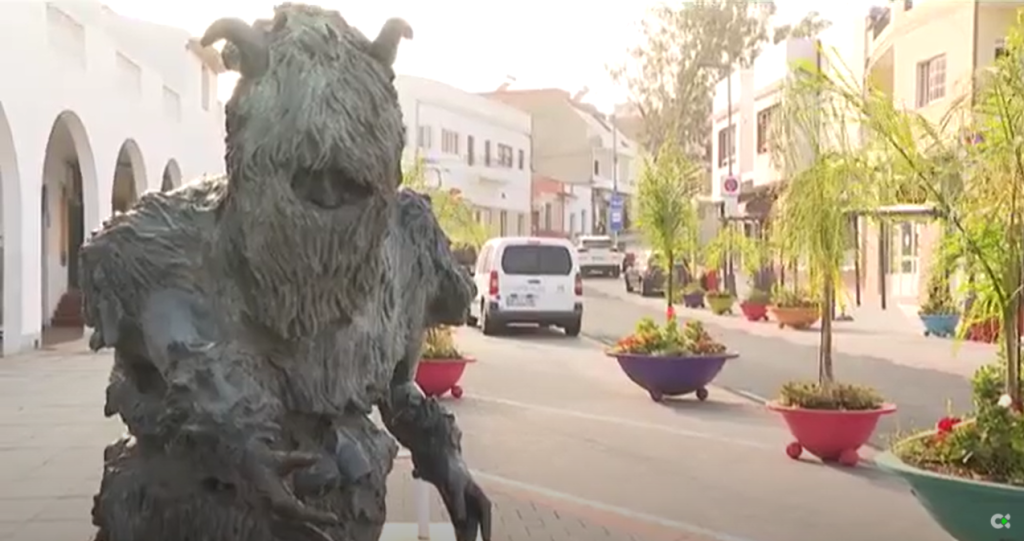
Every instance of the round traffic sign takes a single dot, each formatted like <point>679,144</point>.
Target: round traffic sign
<point>730,185</point>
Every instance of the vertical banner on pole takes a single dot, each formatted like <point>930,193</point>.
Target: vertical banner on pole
<point>615,213</point>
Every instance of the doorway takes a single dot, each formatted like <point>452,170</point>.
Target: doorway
<point>904,259</point>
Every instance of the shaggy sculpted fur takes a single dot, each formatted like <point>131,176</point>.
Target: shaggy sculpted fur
<point>256,318</point>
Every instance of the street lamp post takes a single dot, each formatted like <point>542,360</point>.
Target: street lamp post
<point>730,277</point>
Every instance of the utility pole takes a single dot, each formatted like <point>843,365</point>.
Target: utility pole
<point>730,278</point>
<point>615,180</point>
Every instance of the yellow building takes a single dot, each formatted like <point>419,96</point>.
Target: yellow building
<point>924,55</point>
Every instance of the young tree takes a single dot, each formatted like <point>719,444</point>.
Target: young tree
<point>666,212</point>
<point>684,51</point>
<point>826,182</point>
<point>811,25</point>
<point>453,212</point>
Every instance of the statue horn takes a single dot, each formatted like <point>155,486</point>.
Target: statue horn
<point>385,47</point>
<point>253,54</point>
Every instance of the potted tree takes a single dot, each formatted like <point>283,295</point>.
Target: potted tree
<point>755,306</point>
<point>726,240</point>
<point>693,295</point>
<point>441,364</point>
<point>939,313</point>
<point>720,302</point>
<point>794,308</point>
<point>968,472</point>
<point>666,214</point>
<point>671,360</point>
<point>826,176</point>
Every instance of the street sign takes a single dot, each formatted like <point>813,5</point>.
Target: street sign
<point>730,196</point>
<point>730,186</point>
<point>615,213</point>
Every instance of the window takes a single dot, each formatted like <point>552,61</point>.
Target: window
<point>470,150</point>
<point>931,80</point>
<point>1000,48</point>
<point>572,224</point>
<point>505,156</point>
<point>547,217</point>
<point>487,153</point>
<point>536,260</point>
<point>129,74</point>
<point>597,168</point>
<point>522,159</point>
<point>520,224</point>
<point>726,145</point>
<point>597,243</point>
<point>449,141</point>
<point>172,105</point>
<point>206,90</point>
<point>583,221</point>
<point>477,217</point>
<point>424,137</point>
<point>764,126</point>
<point>908,5</point>
<point>503,222</point>
<point>535,220</point>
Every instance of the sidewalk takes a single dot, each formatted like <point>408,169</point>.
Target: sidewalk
<point>52,435</point>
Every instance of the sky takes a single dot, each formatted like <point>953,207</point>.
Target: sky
<point>477,44</point>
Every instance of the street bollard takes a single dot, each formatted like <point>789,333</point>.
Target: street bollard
<point>421,500</point>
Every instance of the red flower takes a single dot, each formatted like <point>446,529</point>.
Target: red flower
<point>946,424</point>
<point>670,312</point>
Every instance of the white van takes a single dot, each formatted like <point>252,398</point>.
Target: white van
<point>528,280</point>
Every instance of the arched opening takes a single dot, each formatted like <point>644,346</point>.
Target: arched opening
<point>129,177</point>
<point>172,176</point>
<point>68,202</point>
<point>11,325</point>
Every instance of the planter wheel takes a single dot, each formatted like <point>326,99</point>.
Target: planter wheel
<point>656,396</point>
<point>456,392</point>
<point>849,458</point>
<point>782,326</point>
<point>764,318</point>
<point>794,450</point>
<point>926,333</point>
<point>702,394</point>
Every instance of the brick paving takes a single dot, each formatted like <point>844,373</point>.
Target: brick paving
<point>52,435</point>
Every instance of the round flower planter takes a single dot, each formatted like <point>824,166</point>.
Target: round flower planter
<point>693,300</point>
<point>795,317</point>
<point>967,510</point>
<point>719,304</point>
<point>941,325</point>
<point>439,376</point>
<point>831,435</point>
<point>672,376</point>
<point>754,312</point>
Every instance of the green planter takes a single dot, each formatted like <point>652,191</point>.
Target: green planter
<point>965,509</point>
<point>719,305</point>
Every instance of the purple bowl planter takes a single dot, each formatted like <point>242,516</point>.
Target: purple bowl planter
<point>693,300</point>
<point>672,376</point>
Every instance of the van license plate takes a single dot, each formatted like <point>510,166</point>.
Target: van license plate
<point>520,302</point>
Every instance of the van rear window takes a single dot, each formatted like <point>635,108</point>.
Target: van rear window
<point>597,244</point>
<point>536,260</point>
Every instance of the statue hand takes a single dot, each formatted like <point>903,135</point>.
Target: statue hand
<point>266,469</point>
<point>467,505</point>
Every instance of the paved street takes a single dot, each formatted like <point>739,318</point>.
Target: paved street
<point>917,373</point>
<point>566,446</point>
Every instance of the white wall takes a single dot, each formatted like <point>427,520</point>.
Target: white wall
<point>753,90</point>
<point>70,60</point>
<point>580,205</point>
<point>437,106</point>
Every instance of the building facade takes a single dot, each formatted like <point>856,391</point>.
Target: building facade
<point>550,207</point>
<point>577,145</point>
<point>101,109</point>
<point>924,56</point>
<point>479,146</point>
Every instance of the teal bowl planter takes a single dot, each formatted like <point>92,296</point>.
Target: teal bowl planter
<point>967,510</point>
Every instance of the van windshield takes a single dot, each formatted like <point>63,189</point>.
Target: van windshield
<point>536,260</point>
<point>597,244</point>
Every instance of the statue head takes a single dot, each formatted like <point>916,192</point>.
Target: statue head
<point>314,143</point>
<point>448,288</point>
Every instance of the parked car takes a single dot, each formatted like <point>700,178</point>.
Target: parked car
<point>647,278</point>
<point>599,255</point>
<point>528,280</point>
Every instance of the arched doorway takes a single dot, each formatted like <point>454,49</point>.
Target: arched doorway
<point>68,197</point>
<point>172,176</point>
<point>11,324</point>
<point>129,177</point>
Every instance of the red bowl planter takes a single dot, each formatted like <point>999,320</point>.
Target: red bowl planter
<point>754,312</point>
<point>439,376</point>
<point>989,331</point>
<point>830,435</point>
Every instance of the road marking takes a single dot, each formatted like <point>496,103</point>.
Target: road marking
<point>618,421</point>
<point>608,508</point>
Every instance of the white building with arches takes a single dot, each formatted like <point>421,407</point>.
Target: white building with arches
<point>95,109</point>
